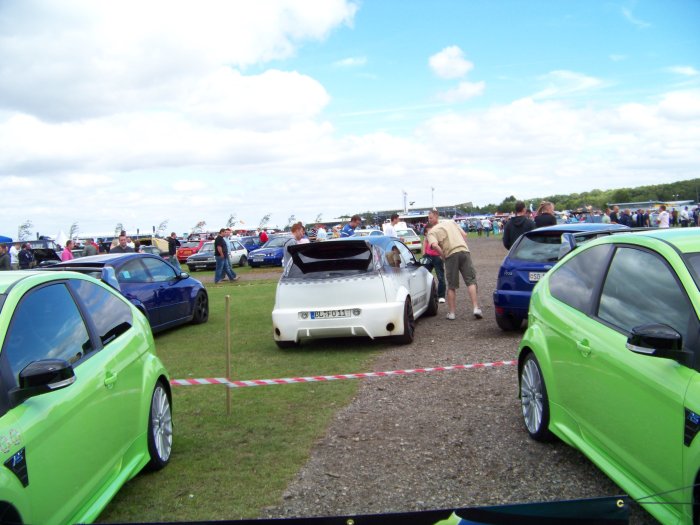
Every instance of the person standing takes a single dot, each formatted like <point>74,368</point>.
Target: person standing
<point>263,237</point>
<point>67,254</point>
<point>26,257</point>
<point>389,230</point>
<point>450,241</point>
<point>684,217</point>
<point>321,233</point>
<point>122,247</point>
<point>14,253</point>
<point>4,258</point>
<point>296,238</point>
<point>91,248</point>
<point>614,215</point>
<point>349,228</point>
<point>173,245</point>
<point>437,263</point>
<point>517,225</point>
<point>223,265</point>
<point>664,217</point>
<point>545,215</point>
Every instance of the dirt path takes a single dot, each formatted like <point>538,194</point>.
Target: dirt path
<point>441,440</point>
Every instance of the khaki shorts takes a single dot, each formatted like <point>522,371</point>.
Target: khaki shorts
<point>459,263</point>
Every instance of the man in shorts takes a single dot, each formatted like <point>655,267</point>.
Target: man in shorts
<point>450,241</point>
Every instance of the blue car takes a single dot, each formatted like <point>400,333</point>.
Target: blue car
<point>529,259</point>
<point>269,254</point>
<point>166,296</point>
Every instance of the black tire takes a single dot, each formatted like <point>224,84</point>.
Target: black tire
<point>534,400</point>
<point>285,345</point>
<point>243,261</point>
<point>508,323</point>
<point>160,429</point>
<point>192,269</point>
<point>409,324</point>
<point>200,313</point>
<point>433,301</point>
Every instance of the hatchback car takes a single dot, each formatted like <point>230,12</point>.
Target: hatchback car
<point>167,297</point>
<point>85,403</point>
<point>188,248</point>
<point>610,364</point>
<point>205,259</point>
<point>269,254</point>
<point>411,239</point>
<point>369,287</point>
<point>529,259</point>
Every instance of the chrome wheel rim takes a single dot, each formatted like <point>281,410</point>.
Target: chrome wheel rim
<point>162,423</point>
<point>531,396</point>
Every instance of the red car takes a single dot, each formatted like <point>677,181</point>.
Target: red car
<point>188,248</point>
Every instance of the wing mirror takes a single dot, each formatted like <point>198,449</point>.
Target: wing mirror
<point>658,340</point>
<point>40,377</point>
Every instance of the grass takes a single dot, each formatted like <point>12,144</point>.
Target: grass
<point>230,467</point>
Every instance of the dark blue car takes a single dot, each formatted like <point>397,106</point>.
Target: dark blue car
<point>167,297</point>
<point>532,255</point>
<point>269,254</point>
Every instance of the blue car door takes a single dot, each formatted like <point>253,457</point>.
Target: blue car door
<point>172,293</point>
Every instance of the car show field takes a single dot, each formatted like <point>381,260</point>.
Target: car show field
<point>420,441</point>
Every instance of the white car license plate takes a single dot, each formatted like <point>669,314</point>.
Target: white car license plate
<point>330,314</point>
<point>536,276</point>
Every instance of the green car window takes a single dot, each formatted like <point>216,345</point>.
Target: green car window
<point>625,304</point>
<point>575,281</point>
<point>111,316</point>
<point>46,325</point>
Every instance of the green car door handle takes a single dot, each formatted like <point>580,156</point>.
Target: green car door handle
<point>110,379</point>
<point>584,347</point>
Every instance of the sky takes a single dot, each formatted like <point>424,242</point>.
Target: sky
<point>138,113</point>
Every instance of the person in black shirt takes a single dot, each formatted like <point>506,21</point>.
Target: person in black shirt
<point>517,225</point>
<point>173,245</point>
<point>545,215</point>
<point>26,257</point>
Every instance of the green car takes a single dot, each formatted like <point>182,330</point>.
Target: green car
<point>610,364</point>
<point>84,400</point>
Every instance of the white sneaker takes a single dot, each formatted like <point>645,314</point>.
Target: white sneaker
<point>451,316</point>
<point>441,300</point>
<point>477,313</point>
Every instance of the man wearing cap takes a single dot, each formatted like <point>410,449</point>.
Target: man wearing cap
<point>450,241</point>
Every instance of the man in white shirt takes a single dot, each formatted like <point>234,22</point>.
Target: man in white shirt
<point>389,228</point>
<point>663,217</point>
<point>14,256</point>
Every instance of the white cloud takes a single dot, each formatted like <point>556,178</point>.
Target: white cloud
<point>564,83</point>
<point>688,71</point>
<point>629,16</point>
<point>464,91</point>
<point>450,63</point>
<point>617,57</point>
<point>102,57</point>
<point>351,62</point>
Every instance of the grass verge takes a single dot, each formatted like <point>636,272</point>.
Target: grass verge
<point>230,467</point>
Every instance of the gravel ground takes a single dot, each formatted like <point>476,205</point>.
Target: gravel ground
<point>445,439</point>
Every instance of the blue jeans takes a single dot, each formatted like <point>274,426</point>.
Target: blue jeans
<point>222,265</point>
<point>439,266</point>
<point>172,259</point>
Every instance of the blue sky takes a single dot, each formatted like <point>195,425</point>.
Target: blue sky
<point>133,113</point>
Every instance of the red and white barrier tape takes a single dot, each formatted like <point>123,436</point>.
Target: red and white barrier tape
<point>313,379</point>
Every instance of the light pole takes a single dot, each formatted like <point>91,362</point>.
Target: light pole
<point>405,204</point>
<point>432,197</point>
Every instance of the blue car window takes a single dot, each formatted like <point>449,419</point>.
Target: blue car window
<point>160,271</point>
<point>46,325</point>
<point>111,315</point>
<point>575,281</point>
<point>133,272</point>
<point>625,304</point>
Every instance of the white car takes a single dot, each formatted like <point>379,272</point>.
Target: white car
<point>204,258</point>
<point>411,239</point>
<point>368,287</point>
